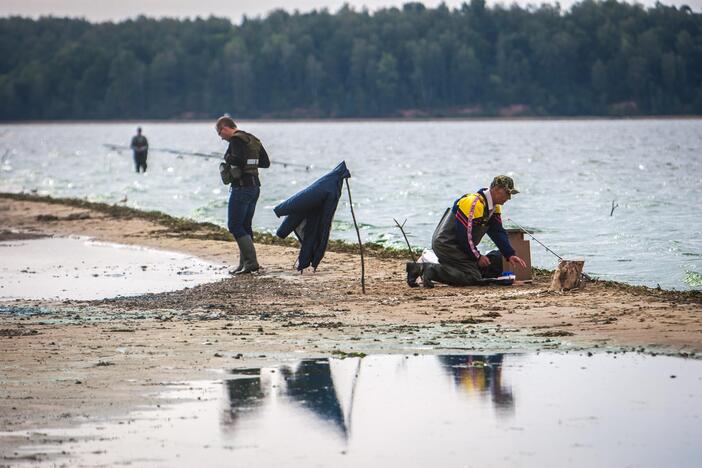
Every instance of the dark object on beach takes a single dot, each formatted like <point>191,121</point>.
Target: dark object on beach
<point>11,332</point>
<point>309,214</point>
<point>494,269</point>
<point>567,275</point>
<point>6,235</point>
<point>70,217</point>
<point>77,216</point>
<point>611,213</point>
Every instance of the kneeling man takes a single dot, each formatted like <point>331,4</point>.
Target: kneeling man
<point>456,238</point>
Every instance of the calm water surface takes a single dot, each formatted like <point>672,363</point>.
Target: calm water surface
<point>84,269</point>
<point>530,410</point>
<point>569,172</point>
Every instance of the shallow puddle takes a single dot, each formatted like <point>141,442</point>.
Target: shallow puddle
<point>83,269</point>
<point>398,411</point>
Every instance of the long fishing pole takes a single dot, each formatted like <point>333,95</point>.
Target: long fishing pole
<point>583,274</point>
<point>201,155</point>
<point>537,240</point>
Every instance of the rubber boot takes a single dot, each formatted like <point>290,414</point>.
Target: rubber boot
<point>427,276</point>
<point>241,261</point>
<point>414,271</point>
<point>240,267</point>
<point>247,253</point>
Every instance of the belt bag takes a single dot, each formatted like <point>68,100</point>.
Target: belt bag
<point>229,173</point>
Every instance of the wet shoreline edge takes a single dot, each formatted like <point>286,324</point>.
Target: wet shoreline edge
<point>187,228</point>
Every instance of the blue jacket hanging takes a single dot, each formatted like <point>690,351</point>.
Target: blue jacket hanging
<point>309,215</point>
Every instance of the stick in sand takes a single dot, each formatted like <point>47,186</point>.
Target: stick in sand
<point>360,244</point>
<point>401,226</point>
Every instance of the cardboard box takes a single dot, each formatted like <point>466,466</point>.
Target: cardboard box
<point>523,249</point>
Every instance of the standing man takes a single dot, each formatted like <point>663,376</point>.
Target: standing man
<point>244,156</point>
<point>456,238</point>
<point>140,146</point>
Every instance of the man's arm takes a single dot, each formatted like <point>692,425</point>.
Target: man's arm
<point>499,236</point>
<point>263,159</point>
<point>235,153</point>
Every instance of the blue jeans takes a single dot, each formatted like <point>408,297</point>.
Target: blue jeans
<point>242,205</point>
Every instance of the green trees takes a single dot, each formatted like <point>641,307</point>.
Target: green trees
<point>598,58</point>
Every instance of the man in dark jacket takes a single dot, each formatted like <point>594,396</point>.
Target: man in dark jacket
<point>140,146</point>
<point>456,238</point>
<point>244,156</point>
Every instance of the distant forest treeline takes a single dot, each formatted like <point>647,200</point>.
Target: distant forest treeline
<point>597,58</point>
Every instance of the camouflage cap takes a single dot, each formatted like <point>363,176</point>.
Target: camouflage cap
<point>505,182</point>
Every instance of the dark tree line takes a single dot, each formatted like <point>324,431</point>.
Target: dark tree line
<point>597,58</point>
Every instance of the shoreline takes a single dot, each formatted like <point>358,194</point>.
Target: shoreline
<point>65,362</point>
<point>205,230</point>
<point>525,118</point>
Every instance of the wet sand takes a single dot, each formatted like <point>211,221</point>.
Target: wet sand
<point>68,362</point>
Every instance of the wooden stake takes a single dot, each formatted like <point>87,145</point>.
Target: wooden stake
<point>360,244</point>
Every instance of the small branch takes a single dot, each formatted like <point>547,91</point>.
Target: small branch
<point>401,226</point>
<point>613,207</point>
<point>360,244</point>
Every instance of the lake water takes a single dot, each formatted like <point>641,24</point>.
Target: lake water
<point>569,174</point>
<point>524,410</point>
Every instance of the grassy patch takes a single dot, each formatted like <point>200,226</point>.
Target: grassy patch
<point>188,228</point>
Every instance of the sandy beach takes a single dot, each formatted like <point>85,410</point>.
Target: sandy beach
<point>70,361</point>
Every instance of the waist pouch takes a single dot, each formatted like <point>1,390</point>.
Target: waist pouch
<point>229,173</point>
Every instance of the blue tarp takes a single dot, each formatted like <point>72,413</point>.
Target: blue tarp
<point>309,214</point>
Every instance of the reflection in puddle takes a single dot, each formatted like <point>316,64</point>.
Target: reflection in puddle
<point>328,388</point>
<point>481,375</point>
<point>80,268</point>
<point>393,410</point>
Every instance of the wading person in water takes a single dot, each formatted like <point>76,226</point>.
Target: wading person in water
<point>140,146</point>
<point>456,238</point>
<point>244,156</point>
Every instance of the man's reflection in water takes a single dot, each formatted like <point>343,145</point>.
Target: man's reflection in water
<point>481,375</point>
<point>245,395</point>
<point>310,385</point>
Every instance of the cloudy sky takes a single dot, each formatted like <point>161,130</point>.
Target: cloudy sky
<point>113,10</point>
